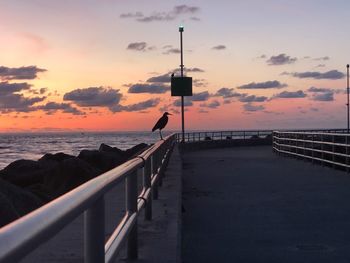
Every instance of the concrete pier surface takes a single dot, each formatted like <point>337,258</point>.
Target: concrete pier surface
<point>246,204</point>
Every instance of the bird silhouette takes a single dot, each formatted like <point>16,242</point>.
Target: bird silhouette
<point>161,123</point>
<point>172,75</point>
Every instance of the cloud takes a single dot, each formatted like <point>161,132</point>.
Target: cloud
<point>250,107</point>
<point>187,102</point>
<point>332,74</point>
<point>201,96</point>
<point>94,96</point>
<point>213,104</point>
<point>252,98</point>
<point>9,88</point>
<point>140,106</point>
<point>176,12</point>
<point>194,18</point>
<point>281,59</point>
<point>219,47</point>
<point>274,84</point>
<point>29,72</point>
<point>148,88</point>
<point>314,89</point>
<point>185,9</point>
<point>52,107</point>
<point>199,70</point>
<point>172,51</point>
<point>18,103</point>
<point>137,46</point>
<point>131,15</point>
<point>322,58</point>
<point>199,82</point>
<point>324,96</point>
<point>164,78</point>
<point>227,93</point>
<point>320,66</point>
<point>290,94</point>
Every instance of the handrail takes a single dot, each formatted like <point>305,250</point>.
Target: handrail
<point>23,235</point>
<point>222,135</point>
<point>325,147</point>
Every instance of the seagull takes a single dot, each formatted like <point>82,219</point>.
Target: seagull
<point>161,124</point>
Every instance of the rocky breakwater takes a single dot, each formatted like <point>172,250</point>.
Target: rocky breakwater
<point>26,184</point>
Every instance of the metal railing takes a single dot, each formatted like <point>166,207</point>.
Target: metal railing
<point>22,236</point>
<point>331,148</point>
<point>223,135</point>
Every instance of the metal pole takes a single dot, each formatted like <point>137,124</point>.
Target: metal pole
<point>94,228</point>
<point>347,89</point>
<point>181,29</point>
<point>131,207</point>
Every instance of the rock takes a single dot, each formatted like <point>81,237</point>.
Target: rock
<point>57,157</point>
<point>107,148</point>
<point>15,202</point>
<point>67,175</point>
<point>24,172</point>
<point>103,161</point>
<point>137,149</point>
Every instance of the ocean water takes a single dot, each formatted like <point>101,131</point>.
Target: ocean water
<point>32,146</point>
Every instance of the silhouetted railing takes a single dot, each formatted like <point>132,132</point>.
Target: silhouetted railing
<point>25,234</point>
<point>327,147</point>
<point>223,135</point>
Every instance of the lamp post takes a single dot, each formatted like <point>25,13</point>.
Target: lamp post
<point>347,90</point>
<point>181,30</point>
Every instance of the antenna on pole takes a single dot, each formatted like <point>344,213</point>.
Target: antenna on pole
<point>181,30</point>
<point>347,89</point>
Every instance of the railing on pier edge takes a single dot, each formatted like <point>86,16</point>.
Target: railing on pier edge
<point>25,234</point>
<point>331,147</point>
<point>222,135</point>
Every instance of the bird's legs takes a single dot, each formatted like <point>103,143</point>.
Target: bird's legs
<point>160,133</point>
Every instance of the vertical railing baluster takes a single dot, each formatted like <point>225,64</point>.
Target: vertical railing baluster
<point>347,152</point>
<point>131,208</point>
<point>322,149</point>
<point>333,150</point>
<point>312,147</point>
<point>147,183</point>
<point>154,173</point>
<point>94,232</point>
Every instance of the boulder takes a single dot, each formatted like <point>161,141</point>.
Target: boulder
<point>67,175</point>
<point>57,157</point>
<point>107,148</point>
<point>15,202</point>
<point>137,149</point>
<point>103,161</point>
<point>25,172</point>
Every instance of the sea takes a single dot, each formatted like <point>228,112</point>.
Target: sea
<point>32,146</point>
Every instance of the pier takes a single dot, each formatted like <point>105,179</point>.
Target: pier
<point>242,196</point>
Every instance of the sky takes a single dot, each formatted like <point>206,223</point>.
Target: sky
<point>105,65</point>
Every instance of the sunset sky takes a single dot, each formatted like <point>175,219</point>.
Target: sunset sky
<point>105,65</point>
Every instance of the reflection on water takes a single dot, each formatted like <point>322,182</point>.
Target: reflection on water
<point>34,145</point>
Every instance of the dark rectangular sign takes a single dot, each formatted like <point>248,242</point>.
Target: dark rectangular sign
<point>181,86</point>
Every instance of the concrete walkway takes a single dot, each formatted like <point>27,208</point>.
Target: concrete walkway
<point>249,205</point>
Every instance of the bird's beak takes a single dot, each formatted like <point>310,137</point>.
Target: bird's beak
<point>169,114</point>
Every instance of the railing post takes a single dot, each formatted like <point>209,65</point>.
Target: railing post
<point>243,135</point>
<point>312,147</point>
<point>333,150</point>
<point>347,152</point>
<point>154,173</point>
<point>94,232</point>
<point>131,208</point>
<point>147,183</point>
<point>322,148</point>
